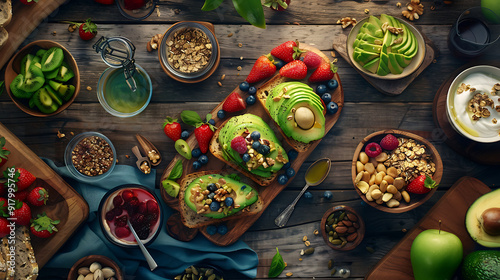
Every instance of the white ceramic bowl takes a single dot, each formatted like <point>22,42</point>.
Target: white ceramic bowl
<point>464,125</point>
<point>414,65</point>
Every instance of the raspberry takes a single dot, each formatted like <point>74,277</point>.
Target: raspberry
<point>121,221</point>
<point>239,144</point>
<point>373,149</point>
<point>152,207</point>
<point>110,215</point>
<point>143,232</point>
<point>127,195</point>
<point>117,211</point>
<point>143,209</point>
<point>122,232</point>
<point>152,218</point>
<point>389,142</point>
<point>117,201</point>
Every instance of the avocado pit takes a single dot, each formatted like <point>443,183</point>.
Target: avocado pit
<point>490,221</point>
<point>304,118</point>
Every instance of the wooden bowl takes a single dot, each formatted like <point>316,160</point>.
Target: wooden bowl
<point>360,230</point>
<point>14,68</point>
<point>412,67</point>
<point>88,260</point>
<point>416,200</point>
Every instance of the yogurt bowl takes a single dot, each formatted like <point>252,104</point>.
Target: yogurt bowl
<point>471,104</point>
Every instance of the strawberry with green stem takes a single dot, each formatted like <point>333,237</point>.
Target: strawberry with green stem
<point>296,70</point>
<point>87,30</point>
<point>203,131</point>
<point>21,214</point>
<point>172,129</point>
<point>43,226</point>
<point>262,68</point>
<point>22,178</point>
<point>324,72</point>
<point>277,5</point>
<point>421,185</point>
<point>3,152</point>
<point>38,196</point>
<point>288,51</point>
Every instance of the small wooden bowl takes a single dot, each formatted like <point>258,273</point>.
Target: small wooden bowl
<point>415,200</point>
<point>88,260</point>
<point>360,231</point>
<point>14,68</point>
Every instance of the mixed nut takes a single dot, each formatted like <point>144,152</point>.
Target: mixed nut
<point>96,272</point>
<point>199,273</point>
<point>189,50</point>
<point>342,227</point>
<point>92,156</point>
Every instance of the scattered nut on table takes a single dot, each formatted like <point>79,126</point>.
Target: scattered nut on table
<point>154,42</point>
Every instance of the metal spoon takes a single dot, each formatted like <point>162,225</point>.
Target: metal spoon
<point>151,262</point>
<point>282,218</point>
<point>141,159</point>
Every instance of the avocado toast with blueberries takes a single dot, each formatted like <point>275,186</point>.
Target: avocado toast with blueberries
<point>248,144</point>
<point>209,197</point>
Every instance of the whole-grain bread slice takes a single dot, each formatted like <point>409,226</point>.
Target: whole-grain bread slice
<point>264,90</point>
<point>26,267</point>
<point>216,150</point>
<point>4,36</point>
<point>3,265</point>
<point>192,219</point>
<point>5,12</point>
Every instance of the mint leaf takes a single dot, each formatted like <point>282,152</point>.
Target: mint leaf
<point>176,172</point>
<point>277,265</point>
<point>190,117</point>
<point>211,5</point>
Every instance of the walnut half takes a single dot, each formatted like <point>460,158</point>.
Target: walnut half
<point>346,21</point>
<point>414,10</point>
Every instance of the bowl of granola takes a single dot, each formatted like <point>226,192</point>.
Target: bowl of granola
<point>472,103</point>
<point>386,163</point>
<point>189,51</point>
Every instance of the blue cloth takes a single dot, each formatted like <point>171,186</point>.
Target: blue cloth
<point>171,255</point>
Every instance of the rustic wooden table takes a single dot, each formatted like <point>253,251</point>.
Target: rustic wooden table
<point>365,110</point>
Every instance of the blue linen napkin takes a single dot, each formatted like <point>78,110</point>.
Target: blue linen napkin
<point>171,255</point>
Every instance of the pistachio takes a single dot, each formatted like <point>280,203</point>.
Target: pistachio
<point>330,264</point>
<point>309,251</point>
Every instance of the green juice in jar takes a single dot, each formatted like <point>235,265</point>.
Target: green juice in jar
<point>120,97</point>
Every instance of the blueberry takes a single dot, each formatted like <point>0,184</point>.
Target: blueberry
<point>229,201</point>
<point>250,100</point>
<point>320,89</point>
<point>252,90</point>
<point>185,134</point>
<point>308,195</point>
<point>214,206</point>
<point>290,172</point>
<point>222,229</point>
<point>255,135</point>
<point>264,149</point>
<point>246,157</point>
<point>292,154</point>
<point>196,152</point>
<point>244,86</point>
<point>221,114</point>
<point>196,165</point>
<point>211,229</point>
<point>256,145</point>
<point>211,195</point>
<point>332,84</point>
<point>203,159</point>
<point>326,97</point>
<point>332,108</point>
<point>286,166</point>
<point>301,58</point>
<point>211,121</point>
<point>211,187</point>
<point>279,63</point>
<point>282,179</point>
<point>327,195</point>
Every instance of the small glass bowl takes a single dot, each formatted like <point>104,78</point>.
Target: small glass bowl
<point>207,70</point>
<point>138,14</point>
<point>358,224</point>
<point>107,204</point>
<point>69,163</point>
<point>101,95</point>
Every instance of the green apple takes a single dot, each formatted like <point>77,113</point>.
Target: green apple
<point>435,254</point>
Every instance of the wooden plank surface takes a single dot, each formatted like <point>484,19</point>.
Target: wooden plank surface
<point>365,111</point>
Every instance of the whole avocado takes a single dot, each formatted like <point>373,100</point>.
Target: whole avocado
<point>482,265</point>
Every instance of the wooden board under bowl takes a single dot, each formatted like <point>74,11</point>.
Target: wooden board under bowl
<point>64,203</point>
<point>236,228</point>
<point>451,210</point>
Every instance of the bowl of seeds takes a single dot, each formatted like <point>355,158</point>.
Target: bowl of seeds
<point>387,162</point>
<point>200,272</point>
<point>189,51</point>
<point>342,228</point>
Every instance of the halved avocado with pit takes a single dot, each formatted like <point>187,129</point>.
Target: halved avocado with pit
<point>477,226</point>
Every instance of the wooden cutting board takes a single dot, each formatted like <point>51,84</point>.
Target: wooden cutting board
<point>24,20</point>
<point>64,203</point>
<point>451,210</point>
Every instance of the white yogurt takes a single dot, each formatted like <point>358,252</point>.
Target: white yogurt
<point>484,127</point>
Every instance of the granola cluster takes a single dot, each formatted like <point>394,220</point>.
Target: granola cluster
<point>190,50</point>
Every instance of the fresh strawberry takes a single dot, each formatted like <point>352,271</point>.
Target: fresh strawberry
<point>277,5</point>
<point>3,152</point>
<point>4,227</point>
<point>152,206</point>
<point>324,72</point>
<point>22,195</point>
<point>21,214</point>
<point>287,51</point>
<point>134,4</point>
<point>296,70</point>
<point>122,232</point>
<point>420,185</point>
<point>262,68</point>
<point>43,226</point>
<point>25,179</point>
<point>389,142</point>
<point>203,131</point>
<point>234,103</point>
<point>105,2</point>
<point>4,212</point>
<point>172,129</point>
<point>87,30</point>
<point>312,60</point>
<point>28,2</point>
<point>38,196</point>
<point>143,209</point>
